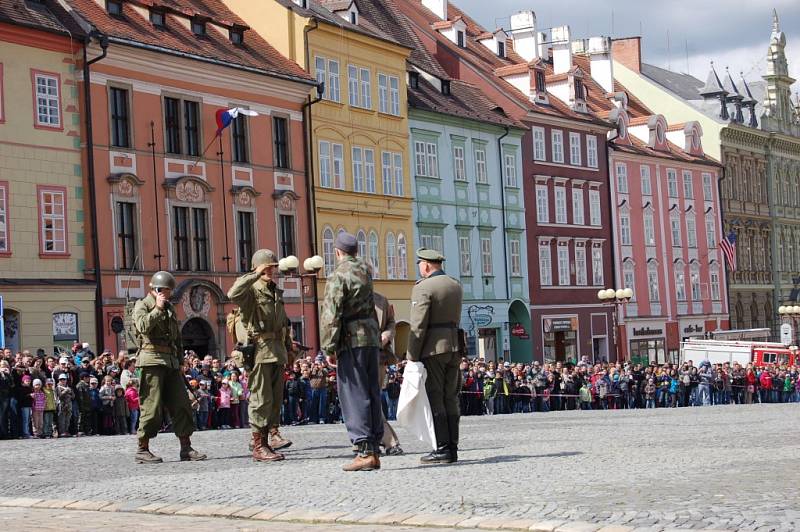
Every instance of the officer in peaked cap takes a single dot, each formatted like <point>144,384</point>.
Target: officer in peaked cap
<point>436,340</point>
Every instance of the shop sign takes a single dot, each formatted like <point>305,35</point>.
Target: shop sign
<point>647,331</point>
<point>693,329</point>
<point>519,331</point>
<point>786,334</point>
<point>560,324</point>
<point>479,316</point>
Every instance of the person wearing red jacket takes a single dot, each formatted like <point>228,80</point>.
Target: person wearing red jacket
<point>765,384</point>
<point>750,386</point>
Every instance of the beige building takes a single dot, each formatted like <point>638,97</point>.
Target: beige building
<point>47,300</point>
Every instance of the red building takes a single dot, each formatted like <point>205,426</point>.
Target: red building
<point>167,193</point>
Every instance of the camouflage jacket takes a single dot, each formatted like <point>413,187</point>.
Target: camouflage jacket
<point>159,334</point>
<point>348,312</point>
<point>263,318</point>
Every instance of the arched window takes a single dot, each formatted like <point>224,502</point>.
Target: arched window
<point>361,237</point>
<point>754,317</point>
<point>327,250</point>
<point>694,280</point>
<point>373,254</point>
<point>628,276</point>
<point>402,258</point>
<point>739,315</point>
<point>391,256</point>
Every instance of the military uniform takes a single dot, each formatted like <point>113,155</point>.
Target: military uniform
<point>264,324</point>
<point>349,329</point>
<point>435,340</point>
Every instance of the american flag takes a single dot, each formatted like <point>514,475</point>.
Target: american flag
<point>728,246</point>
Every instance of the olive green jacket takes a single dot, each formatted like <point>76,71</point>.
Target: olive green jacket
<point>435,316</point>
<point>159,334</point>
<point>263,318</point>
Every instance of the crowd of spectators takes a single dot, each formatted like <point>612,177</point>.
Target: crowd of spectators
<point>81,394</point>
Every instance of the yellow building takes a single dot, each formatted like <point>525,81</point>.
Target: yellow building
<point>42,246</point>
<point>358,146</point>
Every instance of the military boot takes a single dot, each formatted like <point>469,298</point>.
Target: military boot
<point>441,454</point>
<point>366,460</point>
<point>143,454</point>
<point>187,453</point>
<point>276,441</point>
<point>263,452</point>
<point>452,426</point>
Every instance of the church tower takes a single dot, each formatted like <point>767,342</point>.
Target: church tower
<point>779,113</point>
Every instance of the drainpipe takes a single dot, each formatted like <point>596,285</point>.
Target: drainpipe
<point>723,234</point>
<point>87,99</point>
<point>503,211</point>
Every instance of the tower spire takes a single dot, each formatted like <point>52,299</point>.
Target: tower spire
<point>776,27</point>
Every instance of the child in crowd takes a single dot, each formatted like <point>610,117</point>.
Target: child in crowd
<point>236,394</point>
<point>97,406</point>
<point>224,405</point>
<point>49,408</point>
<point>585,394</point>
<point>65,396</point>
<point>107,412</point>
<point>650,393</point>
<point>202,405</point>
<point>38,408</point>
<point>132,398</point>
<point>24,403</point>
<point>193,401</point>
<point>121,411</point>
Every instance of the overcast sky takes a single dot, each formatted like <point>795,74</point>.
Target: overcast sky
<point>732,33</point>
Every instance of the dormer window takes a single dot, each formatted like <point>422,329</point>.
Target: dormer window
<point>446,87</point>
<point>659,133</point>
<point>501,49</point>
<point>579,90</point>
<point>460,39</point>
<point>114,7</point>
<point>413,80</point>
<point>353,18</point>
<point>540,83</point>
<point>157,18</point>
<point>237,36</point>
<point>199,27</point>
<point>695,140</point>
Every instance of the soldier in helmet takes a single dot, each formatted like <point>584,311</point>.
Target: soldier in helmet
<point>161,384</point>
<point>263,327</point>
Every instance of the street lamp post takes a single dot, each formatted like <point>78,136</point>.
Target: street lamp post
<point>788,314</point>
<point>289,267</point>
<point>619,298</point>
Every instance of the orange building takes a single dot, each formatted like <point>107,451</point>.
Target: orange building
<point>168,194</point>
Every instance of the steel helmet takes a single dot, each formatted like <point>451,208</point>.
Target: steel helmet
<point>162,280</point>
<point>264,256</point>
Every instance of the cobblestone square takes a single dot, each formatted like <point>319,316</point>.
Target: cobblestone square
<point>730,468</point>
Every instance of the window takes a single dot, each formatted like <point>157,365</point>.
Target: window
<point>239,132</point>
<point>480,166</point>
<point>361,239</point>
<point>331,74</point>
<point>331,164</point>
<point>715,285</point>
<point>672,183</point>
<point>644,172</point>
<point>53,221</point>
<point>383,93</point>
<point>597,266</point>
<point>413,80</point>
<point>629,277</point>
<point>707,190</point>
<point>675,229</point>
<point>358,169</point>
<point>711,233</point>
<point>245,239</point>
<point>486,256</point>
<point>594,208</point>
<point>561,205</point>
<point>580,266</point>
<point>180,238</point>
<point>649,230</point>
<point>126,236</point>
<point>501,48</point>
<point>510,169</point>
<point>280,139</point>
<point>577,206</point>
<point>465,255</point>
<point>460,39</point>
<point>48,100</point>
<point>540,81</point>
<point>120,125</point>
<point>695,283</point>
<point>198,27</point>
<point>236,36</point>
<point>459,167</point>
<point>680,283</point>
<point>394,95</point>
<point>200,239</point>
<point>286,227</point>
<point>388,94</point>
<point>191,113</point>
<point>392,170</point>
<point>538,144</point>
<point>691,232</point>
<point>5,245</point>
<point>373,254</point>
<point>445,87</point>
<point>352,85</point>
<point>516,256</point>
<point>622,178</point>
<point>625,229</point>
<point>365,99</point>
<point>425,156</point>
<point>575,149</point>
<point>172,121</point>
<point>652,283</point>
<point>157,18</point>
<point>402,257</point>
<point>114,7</point>
<point>557,142</point>
<point>369,169</point>
<point>591,151</point>
<point>328,255</point>
<point>353,17</point>
<point>563,265</point>
<point>542,204</point>
<point>545,265</point>
<point>431,239</point>
<point>687,185</point>
<point>391,256</point>
<point>579,94</point>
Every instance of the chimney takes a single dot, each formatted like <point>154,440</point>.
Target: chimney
<point>600,60</point>
<point>628,51</point>
<point>523,31</point>
<point>439,7</point>
<point>562,50</point>
<point>544,46</point>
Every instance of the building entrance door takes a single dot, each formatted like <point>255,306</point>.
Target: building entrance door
<point>198,336</point>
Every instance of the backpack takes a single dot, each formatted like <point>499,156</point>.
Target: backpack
<point>231,320</point>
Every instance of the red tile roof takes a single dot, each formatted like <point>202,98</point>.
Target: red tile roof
<point>673,152</point>
<point>133,29</point>
<point>46,16</point>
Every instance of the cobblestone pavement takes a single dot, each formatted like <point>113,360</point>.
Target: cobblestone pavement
<point>728,467</point>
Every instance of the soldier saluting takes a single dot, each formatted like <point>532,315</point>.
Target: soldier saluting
<point>162,384</point>
<point>435,339</point>
<point>263,331</point>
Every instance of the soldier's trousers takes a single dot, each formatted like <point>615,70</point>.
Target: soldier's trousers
<point>266,396</point>
<point>360,394</point>
<point>160,387</point>
<point>443,383</point>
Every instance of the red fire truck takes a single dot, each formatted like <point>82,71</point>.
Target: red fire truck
<point>757,353</point>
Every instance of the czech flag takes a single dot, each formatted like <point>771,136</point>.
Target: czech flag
<point>226,116</point>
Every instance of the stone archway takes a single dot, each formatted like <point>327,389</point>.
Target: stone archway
<point>198,336</point>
